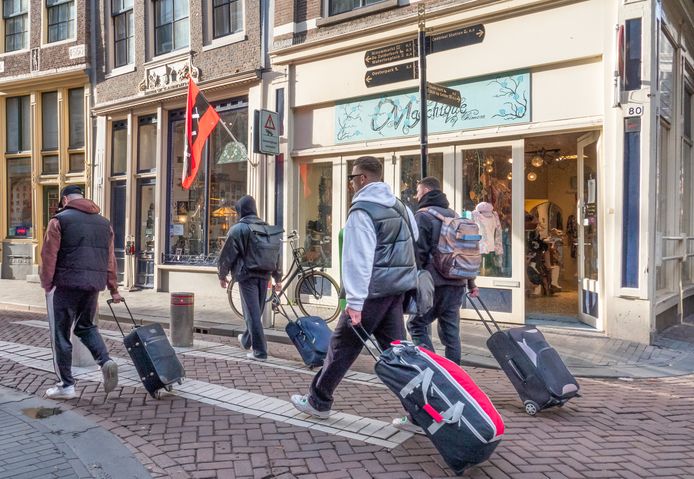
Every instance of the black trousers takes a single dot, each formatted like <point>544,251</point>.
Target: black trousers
<point>253,292</point>
<point>68,310</point>
<point>381,317</point>
<point>447,303</point>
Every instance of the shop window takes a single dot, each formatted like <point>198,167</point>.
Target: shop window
<point>342,6</point>
<point>200,217</point>
<point>145,232</point>
<point>631,207</point>
<point>410,174</point>
<point>147,143</point>
<point>61,20</point>
<point>51,198</point>
<point>123,32</point>
<point>18,124</point>
<point>118,211</point>
<point>49,121</point>
<point>666,52</point>
<point>486,185</point>
<point>632,54</point>
<point>15,14</point>
<point>226,17</point>
<point>688,186</point>
<point>665,198</point>
<point>19,198</point>
<point>76,162</point>
<point>171,25</point>
<point>119,148</point>
<point>316,212</point>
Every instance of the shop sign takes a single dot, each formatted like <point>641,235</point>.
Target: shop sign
<point>489,101</point>
<point>443,94</point>
<point>460,37</point>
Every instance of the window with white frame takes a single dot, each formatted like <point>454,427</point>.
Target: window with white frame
<point>61,19</point>
<point>171,25</point>
<point>226,17</point>
<point>123,32</point>
<point>687,228</point>
<point>18,126</point>
<point>15,14</point>
<point>335,7</point>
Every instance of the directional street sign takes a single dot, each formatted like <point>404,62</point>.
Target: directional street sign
<point>461,37</point>
<point>442,94</point>
<point>396,73</point>
<point>391,53</point>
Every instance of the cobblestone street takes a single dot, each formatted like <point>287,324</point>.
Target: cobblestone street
<point>229,419</point>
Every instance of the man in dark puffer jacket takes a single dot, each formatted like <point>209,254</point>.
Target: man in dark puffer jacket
<point>448,293</point>
<point>77,262</point>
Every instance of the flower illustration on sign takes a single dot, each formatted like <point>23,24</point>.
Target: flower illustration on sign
<point>349,118</point>
<point>517,104</point>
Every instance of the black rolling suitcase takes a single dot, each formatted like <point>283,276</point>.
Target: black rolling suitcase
<point>535,369</point>
<point>152,354</point>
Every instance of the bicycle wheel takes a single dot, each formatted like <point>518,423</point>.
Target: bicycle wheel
<point>234,296</point>
<point>317,294</point>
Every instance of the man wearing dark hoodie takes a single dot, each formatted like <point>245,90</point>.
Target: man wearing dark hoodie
<point>448,293</point>
<point>252,284</point>
<point>77,262</point>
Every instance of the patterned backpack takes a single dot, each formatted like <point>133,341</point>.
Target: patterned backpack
<point>457,254</point>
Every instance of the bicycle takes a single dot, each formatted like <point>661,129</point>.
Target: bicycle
<point>316,292</point>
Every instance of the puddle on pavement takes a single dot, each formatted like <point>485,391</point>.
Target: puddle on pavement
<point>41,412</point>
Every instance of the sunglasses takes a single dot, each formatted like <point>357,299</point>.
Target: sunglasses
<point>351,177</point>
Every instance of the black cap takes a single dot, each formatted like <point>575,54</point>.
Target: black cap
<point>69,190</point>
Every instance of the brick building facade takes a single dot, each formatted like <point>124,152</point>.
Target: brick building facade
<point>44,102</point>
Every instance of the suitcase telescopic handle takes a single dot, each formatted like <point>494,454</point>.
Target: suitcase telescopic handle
<point>110,302</point>
<point>364,337</point>
<point>479,313</point>
<point>280,307</point>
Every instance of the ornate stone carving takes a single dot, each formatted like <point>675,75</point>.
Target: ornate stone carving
<point>168,76</point>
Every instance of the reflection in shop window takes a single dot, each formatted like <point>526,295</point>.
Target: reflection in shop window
<point>411,173</point>
<point>201,217</point>
<point>227,177</point>
<point>19,196</point>
<point>315,213</point>
<point>147,143</point>
<point>119,151</point>
<point>487,199</point>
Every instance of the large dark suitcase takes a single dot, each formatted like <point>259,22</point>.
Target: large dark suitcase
<point>309,334</point>
<point>152,354</point>
<point>535,369</point>
<point>442,399</point>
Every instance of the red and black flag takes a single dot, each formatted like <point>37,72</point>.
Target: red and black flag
<point>201,119</point>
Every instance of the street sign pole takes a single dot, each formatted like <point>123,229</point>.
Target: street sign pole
<point>423,131</point>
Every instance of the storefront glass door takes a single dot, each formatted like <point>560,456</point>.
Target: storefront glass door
<point>145,233</point>
<point>489,190</point>
<point>588,230</point>
<point>118,196</point>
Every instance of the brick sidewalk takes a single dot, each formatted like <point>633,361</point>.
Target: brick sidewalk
<point>630,429</point>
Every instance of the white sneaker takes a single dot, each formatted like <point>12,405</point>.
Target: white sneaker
<point>404,424</point>
<point>60,392</point>
<point>110,372</point>
<point>251,355</point>
<point>240,338</point>
<point>301,403</point>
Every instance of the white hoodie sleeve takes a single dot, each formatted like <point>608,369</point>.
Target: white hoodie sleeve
<point>359,249</point>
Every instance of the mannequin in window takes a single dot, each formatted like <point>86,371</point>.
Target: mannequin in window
<point>491,245</point>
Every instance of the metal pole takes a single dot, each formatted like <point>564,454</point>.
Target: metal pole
<point>423,131</point>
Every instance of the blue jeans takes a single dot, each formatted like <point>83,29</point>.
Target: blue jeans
<point>447,303</point>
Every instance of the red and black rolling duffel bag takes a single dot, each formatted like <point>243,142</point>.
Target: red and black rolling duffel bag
<point>442,399</point>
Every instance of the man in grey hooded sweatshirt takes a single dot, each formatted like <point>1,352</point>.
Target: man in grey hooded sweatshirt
<point>378,268</point>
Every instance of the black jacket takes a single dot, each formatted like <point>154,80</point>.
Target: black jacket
<point>429,232</point>
<point>236,244</point>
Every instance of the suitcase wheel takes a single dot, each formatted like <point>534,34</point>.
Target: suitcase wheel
<point>168,388</point>
<point>156,394</point>
<point>180,381</point>
<point>531,407</point>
